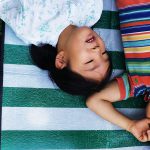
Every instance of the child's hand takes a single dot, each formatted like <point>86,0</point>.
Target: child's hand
<point>141,129</point>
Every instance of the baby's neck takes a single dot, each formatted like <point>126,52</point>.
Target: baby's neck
<point>64,36</point>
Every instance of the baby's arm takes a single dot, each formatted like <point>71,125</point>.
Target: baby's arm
<point>148,110</point>
<point>101,104</point>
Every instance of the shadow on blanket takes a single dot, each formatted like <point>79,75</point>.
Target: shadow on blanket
<point>1,68</point>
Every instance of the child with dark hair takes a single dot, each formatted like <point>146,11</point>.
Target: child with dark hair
<point>135,31</point>
<point>63,41</point>
<point>67,80</point>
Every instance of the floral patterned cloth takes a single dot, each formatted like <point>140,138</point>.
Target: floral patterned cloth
<point>42,21</point>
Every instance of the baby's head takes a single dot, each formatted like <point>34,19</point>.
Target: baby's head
<point>79,65</point>
<point>84,52</point>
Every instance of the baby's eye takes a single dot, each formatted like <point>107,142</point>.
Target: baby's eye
<point>89,61</point>
<point>95,47</point>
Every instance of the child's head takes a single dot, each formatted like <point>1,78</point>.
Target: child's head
<point>80,62</point>
<point>84,52</point>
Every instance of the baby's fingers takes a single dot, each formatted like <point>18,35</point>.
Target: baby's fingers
<point>143,137</point>
<point>148,133</point>
<point>148,121</point>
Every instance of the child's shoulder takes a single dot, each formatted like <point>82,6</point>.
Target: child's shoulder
<point>110,92</point>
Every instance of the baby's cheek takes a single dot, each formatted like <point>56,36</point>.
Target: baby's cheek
<point>105,57</point>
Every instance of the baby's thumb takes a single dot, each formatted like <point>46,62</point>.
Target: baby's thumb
<point>148,121</point>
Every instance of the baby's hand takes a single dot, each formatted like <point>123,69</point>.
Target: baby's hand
<point>141,129</point>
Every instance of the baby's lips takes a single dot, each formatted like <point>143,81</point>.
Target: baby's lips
<point>90,39</point>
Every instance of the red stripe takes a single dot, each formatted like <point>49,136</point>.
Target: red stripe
<point>121,88</point>
<point>135,24</point>
<point>145,79</point>
<point>138,55</point>
<point>126,3</point>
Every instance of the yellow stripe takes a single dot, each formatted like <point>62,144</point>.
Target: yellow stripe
<point>138,49</point>
<point>136,37</point>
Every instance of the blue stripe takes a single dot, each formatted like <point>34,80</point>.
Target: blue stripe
<point>135,29</point>
<point>133,20</point>
<point>141,43</point>
<point>131,67</point>
<point>132,12</point>
<point>140,6</point>
<point>135,15</point>
<point>138,69</point>
<point>139,90</point>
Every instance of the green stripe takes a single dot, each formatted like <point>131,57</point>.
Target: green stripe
<point>117,59</point>
<point>108,20</point>
<point>141,63</point>
<point>28,97</point>
<point>140,71</point>
<point>23,140</point>
<point>15,54</point>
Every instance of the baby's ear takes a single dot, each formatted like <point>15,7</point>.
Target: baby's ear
<point>60,61</point>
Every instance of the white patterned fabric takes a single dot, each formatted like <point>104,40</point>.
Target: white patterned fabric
<point>42,21</point>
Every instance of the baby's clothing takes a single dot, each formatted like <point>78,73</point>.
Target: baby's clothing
<point>42,21</point>
<point>135,31</point>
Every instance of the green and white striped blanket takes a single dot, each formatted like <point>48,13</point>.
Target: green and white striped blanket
<point>36,115</point>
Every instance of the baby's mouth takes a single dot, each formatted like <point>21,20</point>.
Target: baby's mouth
<point>90,39</point>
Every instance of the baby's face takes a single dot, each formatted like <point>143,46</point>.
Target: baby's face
<point>86,54</point>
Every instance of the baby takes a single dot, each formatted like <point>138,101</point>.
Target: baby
<point>62,39</point>
<point>135,31</point>
<point>76,56</point>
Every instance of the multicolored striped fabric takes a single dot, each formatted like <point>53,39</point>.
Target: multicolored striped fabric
<point>135,31</point>
<point>36,115</point>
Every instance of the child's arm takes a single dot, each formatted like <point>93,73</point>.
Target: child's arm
<point>148,110</point>
<point>101,104</point>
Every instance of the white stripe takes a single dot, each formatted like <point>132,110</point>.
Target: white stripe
<point>25,118</point>
<point>29,76</point>
<point>26,76</point>
<point>109,5</point>
<point>11,38</point>
<point>111,38</point>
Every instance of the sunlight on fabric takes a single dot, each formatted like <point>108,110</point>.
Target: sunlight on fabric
<point>37,118</point>
<point>25,118</point>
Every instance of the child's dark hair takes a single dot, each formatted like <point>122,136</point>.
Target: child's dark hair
<point>44,57</point>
